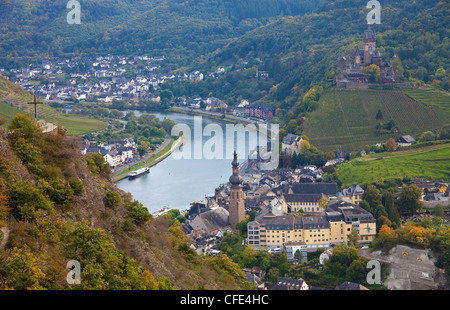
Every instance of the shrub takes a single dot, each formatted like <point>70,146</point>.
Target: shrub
<point>77,187</point>
<point>24,193</point>
<point>112,199</point>
<point>138,212</point>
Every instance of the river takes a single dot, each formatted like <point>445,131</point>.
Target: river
<point>176,182</point>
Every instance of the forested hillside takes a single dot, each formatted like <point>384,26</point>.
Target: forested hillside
<point>299,52</point>
<point>57,206</point>
<point>181,30</point>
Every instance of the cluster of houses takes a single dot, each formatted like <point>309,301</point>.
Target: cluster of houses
<point>278,195</point>
<point>107,78</point>
<point>434,193</point>
<point>294,212</point>
<point>115,153</point>
<point>101,79</point>
<point>257,110</point>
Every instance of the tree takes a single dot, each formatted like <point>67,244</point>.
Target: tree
<point>372,73</point>
<point>380,211</point>
<point>77,186</point>
<point>379,115</point>
<point>357,271</point>
<point>304,146</point>
<point>409,199</point>
<point>372,196</point>
<point>29,154</point>
<point>353,238</point>
<point>143,148</point>
<point>391,210</point>
<point>391,145</point>
<point>112,199</point>
<point>97,164</point>
<point>249,256</point>
<point>22,126</point>
<point>438,210</point>
<point>24,270</point>
<point>138,213</point>
<point>323,202</point>
<point>386,238</point>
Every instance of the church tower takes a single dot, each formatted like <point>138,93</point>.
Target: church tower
<point>370,40</point>
<point>236,206</point>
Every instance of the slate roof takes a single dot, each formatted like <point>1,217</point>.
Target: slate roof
<point>351,286</point>
<point>406,139</point>
<point>209,221</point>
<point>290,138</point>
<point>353,190</point>
<point>315,188</point>
<point>303,197</point>
<point>288,284</point>
<point>349,211</point>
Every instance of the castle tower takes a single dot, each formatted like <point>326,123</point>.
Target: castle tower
<point>236,206</point>
<point>369,45</point>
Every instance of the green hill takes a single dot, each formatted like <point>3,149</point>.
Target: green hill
<point>14,99</point>
<point>429,163</point>
<point>347,118</point>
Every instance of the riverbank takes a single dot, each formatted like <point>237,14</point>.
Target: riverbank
<point>152,161</point>
<point>226,118</point>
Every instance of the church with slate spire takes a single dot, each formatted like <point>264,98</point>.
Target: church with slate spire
<point>237,196</point>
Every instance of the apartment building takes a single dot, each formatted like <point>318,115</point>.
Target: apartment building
<point>341,216</point>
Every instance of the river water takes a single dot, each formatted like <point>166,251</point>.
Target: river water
<point>175,182</point>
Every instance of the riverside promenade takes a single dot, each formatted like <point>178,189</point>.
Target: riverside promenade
<point>149,160</point>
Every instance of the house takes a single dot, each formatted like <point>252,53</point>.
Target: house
<point>113,158</point>
<point>259,110</point>
<point>290,284</point>
<point>305,197</point>
<point>346,286</point>
<point>292,248</point>
<point>307,203</point>
<point>291,144</point>
<point>353,193</point>
<point>262,75</point>
<point>405,141</point>
<point>196,76</point>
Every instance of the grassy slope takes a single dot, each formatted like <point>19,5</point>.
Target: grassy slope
<point>432,162</point>
<point>13,100</point>
<point>347,118</point>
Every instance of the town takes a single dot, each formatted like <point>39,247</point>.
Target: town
<point>293,211</point>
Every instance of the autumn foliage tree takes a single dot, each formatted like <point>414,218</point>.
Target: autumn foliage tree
<point>391,145</point>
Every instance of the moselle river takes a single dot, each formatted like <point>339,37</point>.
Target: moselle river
<point>175,182</point>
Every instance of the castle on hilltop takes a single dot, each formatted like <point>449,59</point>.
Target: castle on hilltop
<point>350,70</point>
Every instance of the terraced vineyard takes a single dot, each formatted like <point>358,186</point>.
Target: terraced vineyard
<point>347,118</point>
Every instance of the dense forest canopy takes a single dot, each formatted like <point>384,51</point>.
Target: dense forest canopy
<point>185,29</point>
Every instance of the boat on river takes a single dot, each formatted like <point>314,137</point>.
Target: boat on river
<point>138,172</point>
